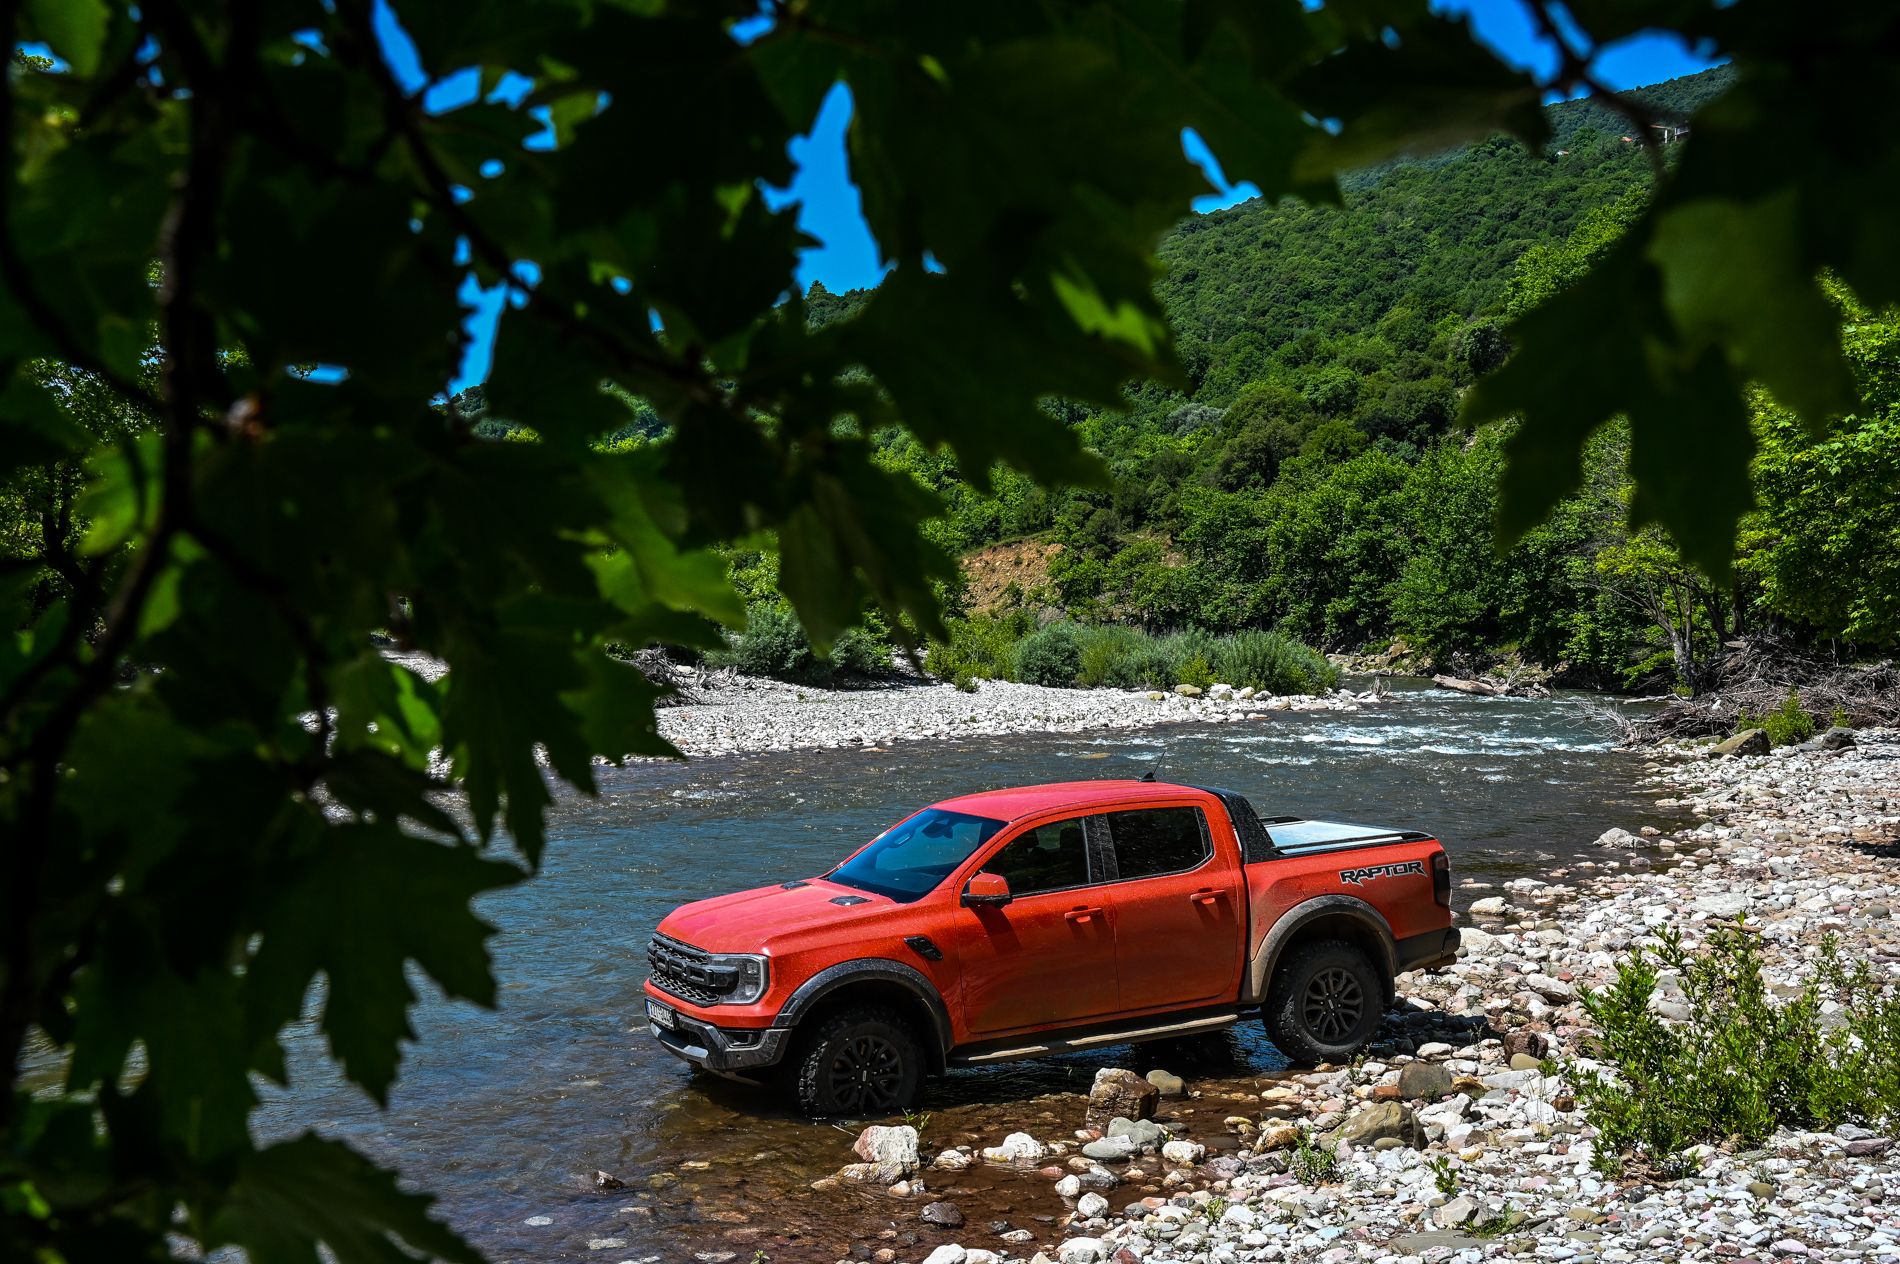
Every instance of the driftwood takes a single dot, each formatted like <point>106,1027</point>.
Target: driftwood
<point>1492,687</point>
<point>1483,688</point>
<point>1756,676</point>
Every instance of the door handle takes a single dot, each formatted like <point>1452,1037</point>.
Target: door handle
<point>1205,895</point>
<point>1081,914</point>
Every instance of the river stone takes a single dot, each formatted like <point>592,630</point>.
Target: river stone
<point>1526,1062</point>
<point>949,1253</point>
<point>1382,1119</point>
<point>949,1215</point>
<point>951,1161</point>
<point>1167,1083</point>
<point>1746,742</point>
<point>1616,836</point>
<point>1183,1152</point>
<point>893,1146</point>
<point>1016,1147</point>
<point>1111,1148</point>
<point>1090,1206</point>
<point>1459,1210</point>
<point>1082,1251</point>
<point>1489,906</point>
<point>1534,1043</point>
<point>1475,941</point>
<point>1069,1186</point>
<point>1120,1092</point>
<point>1428,1080</point>
<point>1836,738</point>
<point>1722,905</point>
<point>1146,1132</point>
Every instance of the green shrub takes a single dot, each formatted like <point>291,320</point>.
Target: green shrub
<point>1741,1065</point>
<point>981,648</point>
<point>774,644</point>
<point>1840,719</point>
<point>1786,725</point>
<point>1195,671</point>
<point>1052,656</point>
<point>1112,657</point>
<point>1273,662</point>
<point>1311,1164</point>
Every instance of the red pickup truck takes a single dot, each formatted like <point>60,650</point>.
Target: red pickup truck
<point>1025,922</point>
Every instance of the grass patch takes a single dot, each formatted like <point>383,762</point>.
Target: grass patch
<point>1743,1063</point>
<point>1787,725</point>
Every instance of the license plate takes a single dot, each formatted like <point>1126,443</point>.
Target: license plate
<point>662,1016</point>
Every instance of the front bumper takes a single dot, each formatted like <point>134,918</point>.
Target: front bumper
<point>724,1050</point>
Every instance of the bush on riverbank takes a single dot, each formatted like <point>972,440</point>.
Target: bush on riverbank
<point>773,644</point>
<point>1741,1064</point>
<point>1787,725</point>
<point>1093,656</point>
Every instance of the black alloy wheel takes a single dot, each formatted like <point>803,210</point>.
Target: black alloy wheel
<point>1333,1005</point>
<point>857,1062</point>
<point>1325,1002</point>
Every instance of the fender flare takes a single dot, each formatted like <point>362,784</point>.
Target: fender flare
<point>1300,917</point>
<point>872,970</point>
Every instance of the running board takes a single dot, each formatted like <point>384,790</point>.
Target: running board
<point>1114,1036</point>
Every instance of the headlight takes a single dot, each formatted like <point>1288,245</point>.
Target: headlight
<point>747,972</point>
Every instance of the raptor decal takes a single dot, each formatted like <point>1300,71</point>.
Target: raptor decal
<point>1354,877</point>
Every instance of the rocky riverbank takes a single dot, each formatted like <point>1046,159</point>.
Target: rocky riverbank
<point>728,714</point>
<point>1449,1141</point>
<point>742,714</point>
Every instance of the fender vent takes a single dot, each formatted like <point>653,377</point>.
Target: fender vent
<point>924,947</point>
<point>849,899</point>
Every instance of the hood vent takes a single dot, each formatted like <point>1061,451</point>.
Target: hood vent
<point>849,899</point>
<point>793,885</point>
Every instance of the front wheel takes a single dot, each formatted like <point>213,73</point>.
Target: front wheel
<point>859,1062</point>
<point>1324,1002</point>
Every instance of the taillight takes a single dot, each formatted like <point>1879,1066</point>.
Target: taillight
<point>1441,878</point>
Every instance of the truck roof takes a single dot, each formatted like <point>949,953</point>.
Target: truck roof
<point>1018,801</point>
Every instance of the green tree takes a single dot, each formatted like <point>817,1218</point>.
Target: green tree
<point>215,790</point>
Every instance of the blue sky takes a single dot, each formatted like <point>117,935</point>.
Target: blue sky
<point>828,202</point>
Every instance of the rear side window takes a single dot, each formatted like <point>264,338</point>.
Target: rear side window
<point>1157,841</point>
<point>1051,857</point>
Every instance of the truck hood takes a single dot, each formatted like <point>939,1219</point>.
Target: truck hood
<point>749,921</point>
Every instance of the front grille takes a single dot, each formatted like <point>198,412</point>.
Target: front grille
<point>687,972</point>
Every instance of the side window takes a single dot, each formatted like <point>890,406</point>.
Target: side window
<point>1049,858</point>
<point>1158,840</point>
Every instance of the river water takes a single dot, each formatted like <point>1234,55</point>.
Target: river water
<point>508,1114</point>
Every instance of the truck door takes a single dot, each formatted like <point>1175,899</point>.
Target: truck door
<point>1178,914</point>
<point>1048,956</point>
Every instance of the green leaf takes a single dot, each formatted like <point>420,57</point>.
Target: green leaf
<point>358,907</point>
<point>290,1196</point>
<point>75,29</point>
<point>1733,278</point>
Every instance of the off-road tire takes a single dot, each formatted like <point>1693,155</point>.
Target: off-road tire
<point>1325,1002</point>
<point>859,1062</point>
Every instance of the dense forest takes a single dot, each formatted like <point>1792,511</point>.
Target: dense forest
<point>1310,476</point>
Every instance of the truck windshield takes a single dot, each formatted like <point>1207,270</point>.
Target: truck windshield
<point>909,859</point>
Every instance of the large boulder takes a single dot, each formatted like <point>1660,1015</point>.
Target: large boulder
<point>1746,742</point>
<point>1427,1080</point>
<point>1380,1120</point>
<point>1120,1092</point>
<point>1145,1133</point>
<point>1836,738</point>
<point>894,1147</point>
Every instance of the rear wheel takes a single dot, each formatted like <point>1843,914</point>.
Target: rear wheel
<point>860,1061</point>
<point>1324,1004</point>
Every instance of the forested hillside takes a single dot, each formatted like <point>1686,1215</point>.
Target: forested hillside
<point>1309,476</point>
